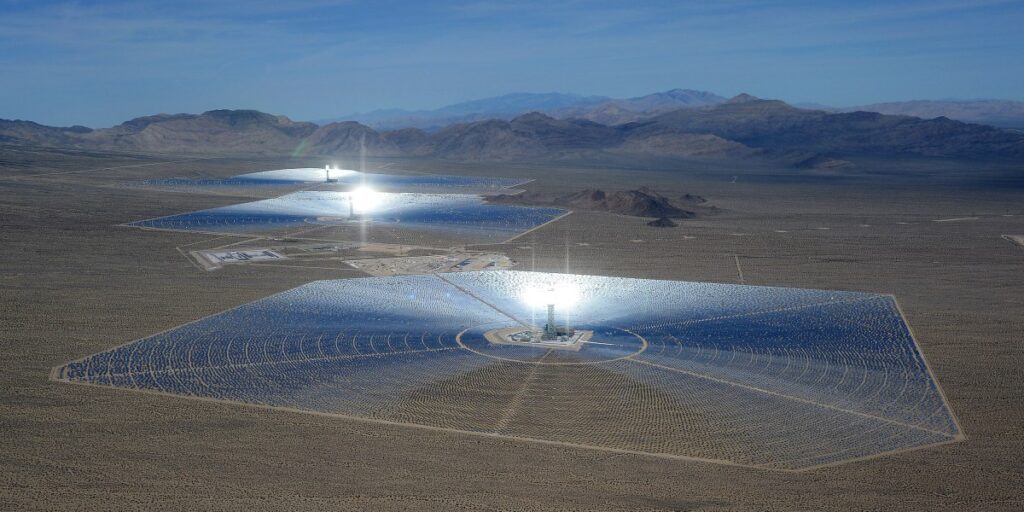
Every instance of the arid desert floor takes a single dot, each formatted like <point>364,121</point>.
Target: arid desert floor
<point>75,282</point>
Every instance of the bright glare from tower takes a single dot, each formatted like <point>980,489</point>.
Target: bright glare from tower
<point>365,200</point>
<point>334,172</point>
<point>562,295</point>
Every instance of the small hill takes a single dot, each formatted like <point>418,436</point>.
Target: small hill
<point>639,203</point>
<point>217,131</point>
<point>642,202</point>
<point>692,199</point>
<point>35,134</point>
<point>663,222</point>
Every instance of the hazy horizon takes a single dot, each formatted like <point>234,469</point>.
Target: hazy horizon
<point>99,63</point>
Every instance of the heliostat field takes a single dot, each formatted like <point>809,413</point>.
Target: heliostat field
<point>462,215</point>
<point>775,378</point>
<point>314,175</point>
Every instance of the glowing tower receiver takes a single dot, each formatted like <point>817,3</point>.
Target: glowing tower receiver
<point>562,295</point>
<point>552,335</point>
<point>332,173</point>
<point>363,200</point>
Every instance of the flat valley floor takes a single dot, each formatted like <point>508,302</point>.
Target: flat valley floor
<point>74,282</point>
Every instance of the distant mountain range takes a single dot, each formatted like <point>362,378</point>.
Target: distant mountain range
<point>611,111</point>
<point>216,131</point>
<point>600,109</point>
<point>1001,113</point>
<point>705,127</point>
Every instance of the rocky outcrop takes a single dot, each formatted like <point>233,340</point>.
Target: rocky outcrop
<point>642,202</point>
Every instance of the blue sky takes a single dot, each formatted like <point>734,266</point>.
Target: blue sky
<point>99,63</point>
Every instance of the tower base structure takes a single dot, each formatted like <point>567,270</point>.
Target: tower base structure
<point>537,338</point>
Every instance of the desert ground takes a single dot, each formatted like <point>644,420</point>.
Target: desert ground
<point>75,282</point>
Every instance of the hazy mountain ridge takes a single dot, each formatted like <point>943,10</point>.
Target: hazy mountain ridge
<point>612,111</point>
<point>600,109</point>
<point>18,131</point>
<point>224,131</point>
<point>215,131</point>
<point>742,127</point>
<point>999,113</point>
<point>504,107</point>
<point>775,125</point>
<point>632,109</point>
<point>537,135</point>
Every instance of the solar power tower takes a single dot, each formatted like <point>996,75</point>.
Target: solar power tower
<point>553,331</point>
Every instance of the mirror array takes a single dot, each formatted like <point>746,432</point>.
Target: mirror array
<point>464,215</point>
<point>314,175</point>
<point>775,378</point>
